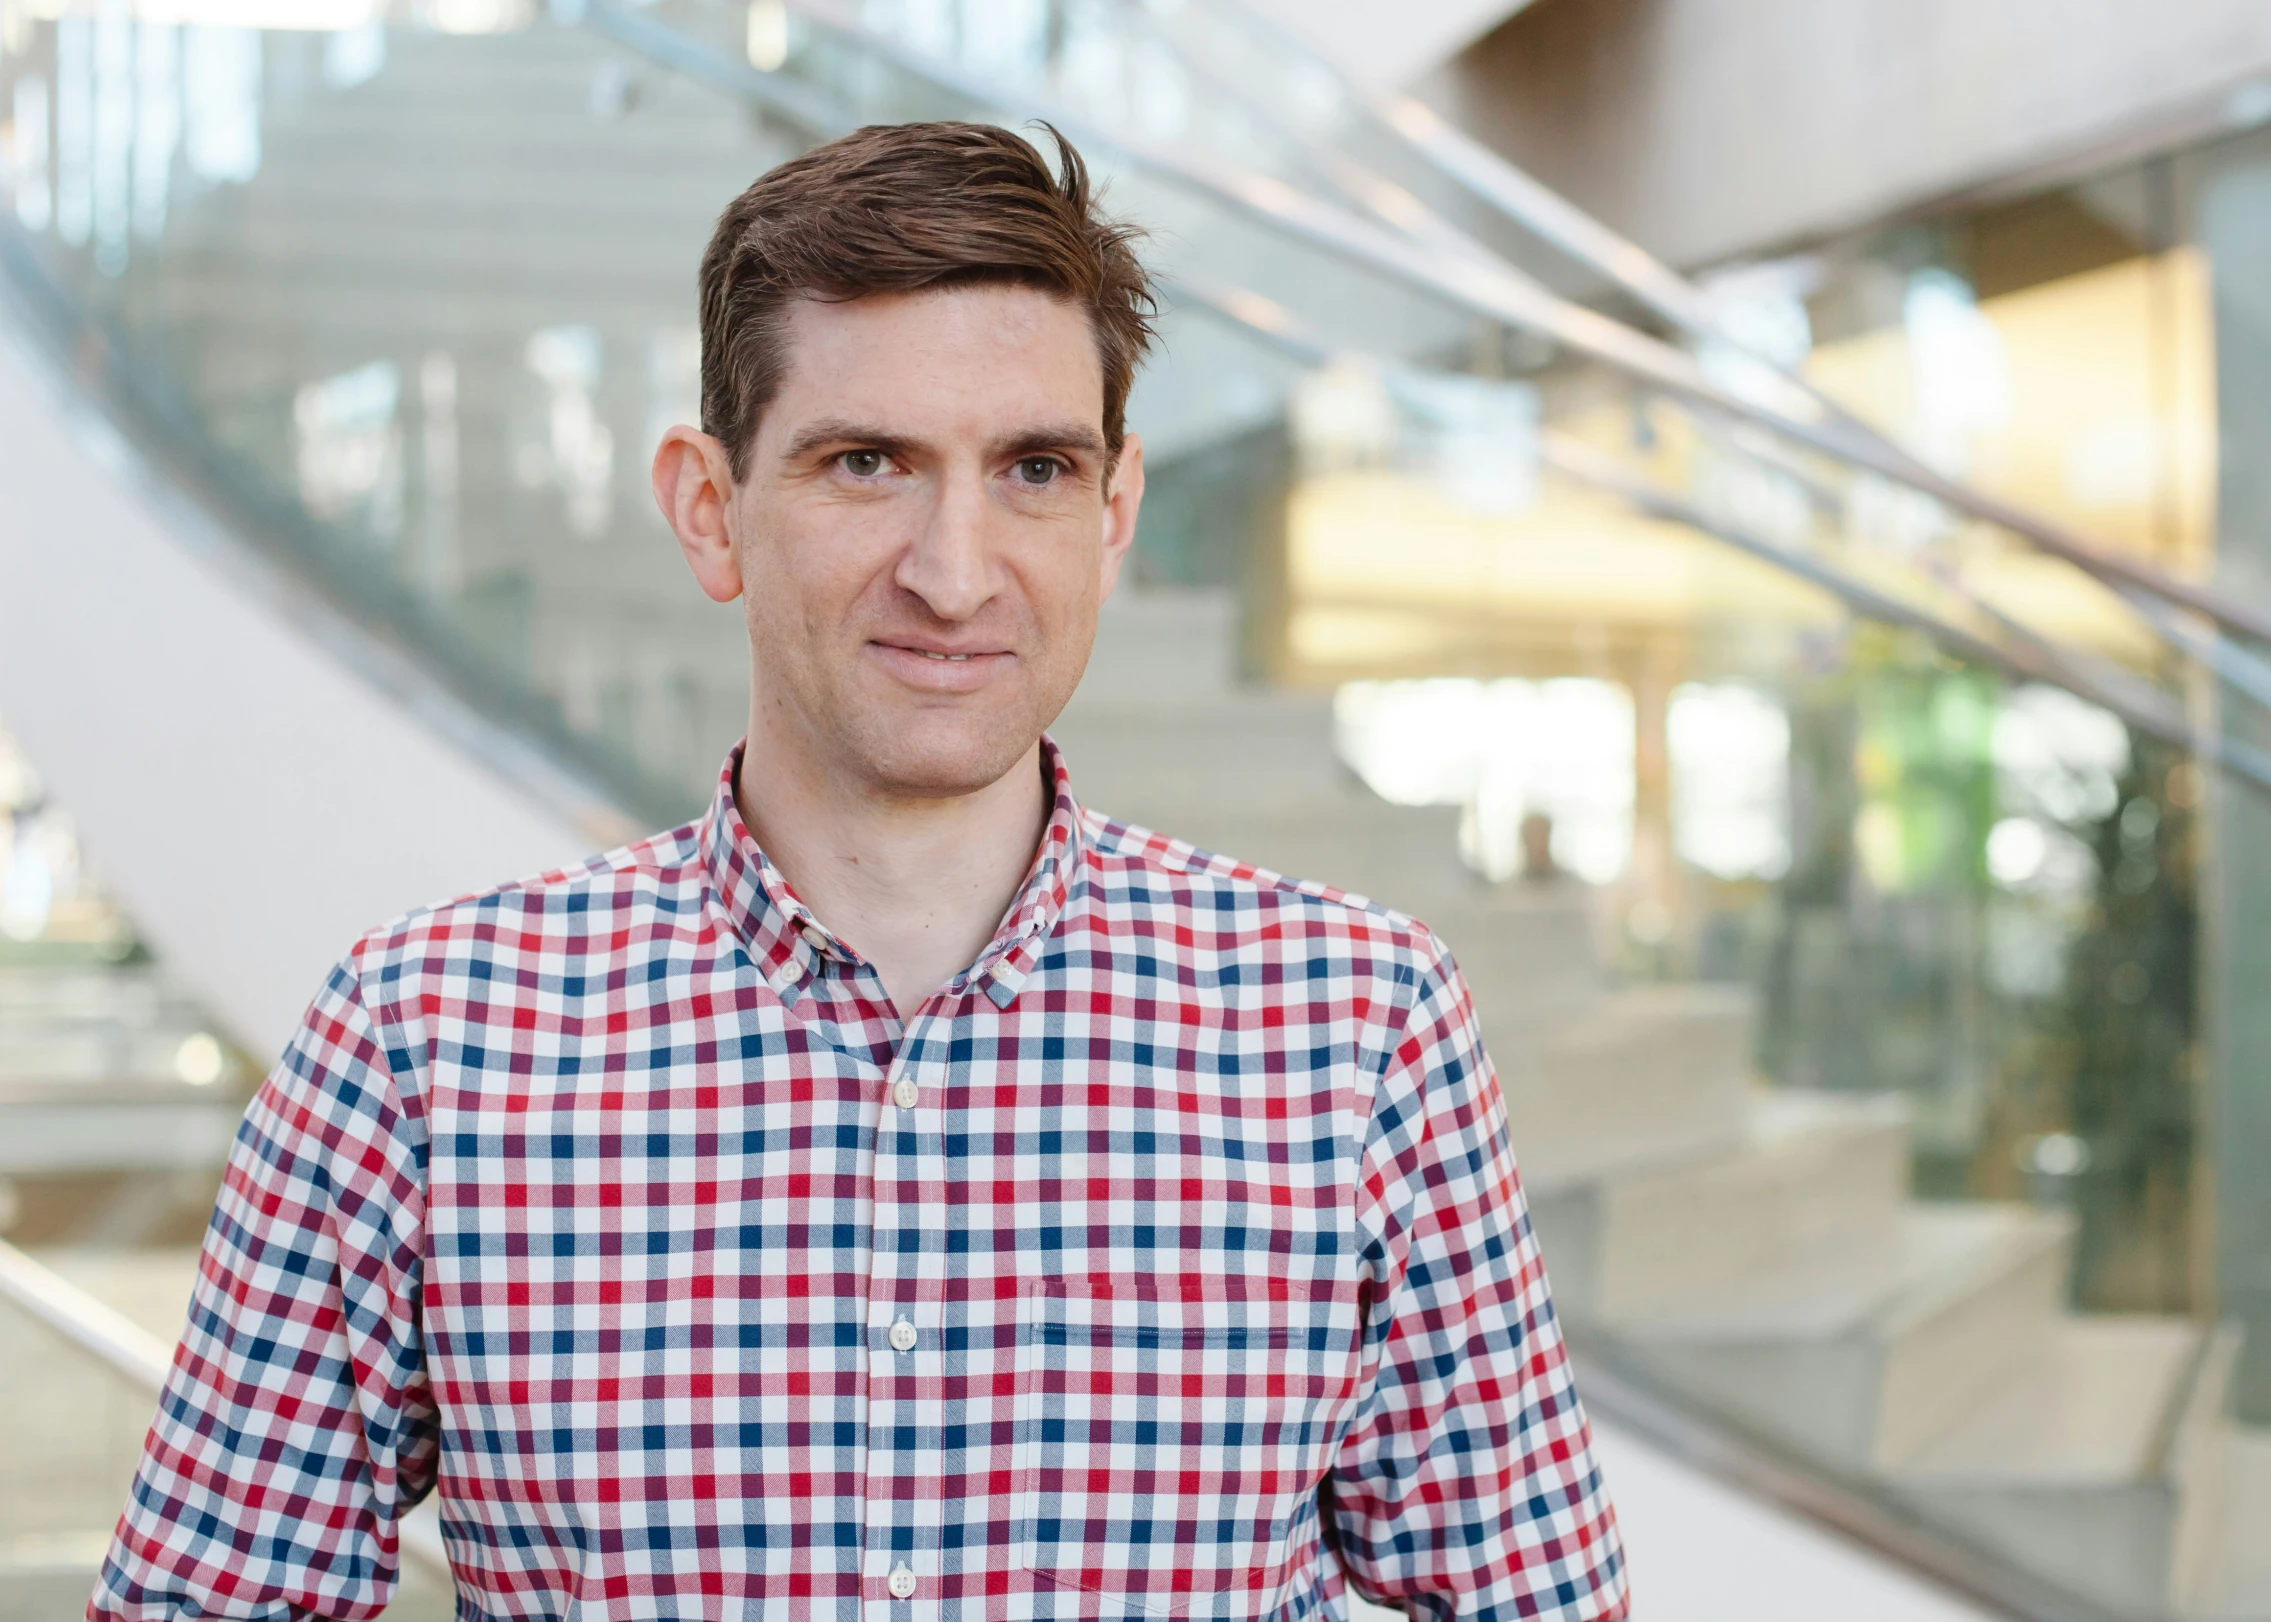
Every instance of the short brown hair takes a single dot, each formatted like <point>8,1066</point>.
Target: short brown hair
<point>897,207</point>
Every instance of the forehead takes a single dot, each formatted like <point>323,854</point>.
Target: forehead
<point>990,348</point>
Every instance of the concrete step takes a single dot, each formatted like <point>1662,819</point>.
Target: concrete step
<point>1814,1183</point>
<point>46,1137</point>
<point>66,1033</point>
<point>121,996</point>
<point>2081,1468</point>
<point>1250,747</point>
<point>1650,1073</point>
<point>2235,1576</point>
<point>1403,857</point>
<point>1159,644</point>
<point>95,1055</point>
<point>1527,953</point>
<point>1863,1366</point>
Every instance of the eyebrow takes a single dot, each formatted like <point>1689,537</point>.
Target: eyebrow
<point>1072,436</point>
<point>1024,442</point>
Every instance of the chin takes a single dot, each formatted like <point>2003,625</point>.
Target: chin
<point>940,757</point>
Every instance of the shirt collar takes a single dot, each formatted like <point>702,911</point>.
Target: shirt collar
<point>786,942</point>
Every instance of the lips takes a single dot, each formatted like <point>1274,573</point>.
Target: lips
<point>940,670</point>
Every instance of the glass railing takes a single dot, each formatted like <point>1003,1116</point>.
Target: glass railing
<point>1727,689</point>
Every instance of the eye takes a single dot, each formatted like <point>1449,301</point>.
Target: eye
<point>862,464</point>
<point>1038,470</point>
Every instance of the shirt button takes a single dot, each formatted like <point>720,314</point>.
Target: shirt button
<point>902,1336</point>
<point>906,1093</point>
<point>814,938</point>
<point>902,1584</point>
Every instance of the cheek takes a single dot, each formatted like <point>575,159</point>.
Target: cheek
<point>1061,568</point>
<point>807,568</point>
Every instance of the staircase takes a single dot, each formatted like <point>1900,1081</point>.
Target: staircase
<point>1755,1252</point>
<point>439,220</point>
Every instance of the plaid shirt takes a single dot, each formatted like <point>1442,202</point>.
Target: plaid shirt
<point>1170,1259</point>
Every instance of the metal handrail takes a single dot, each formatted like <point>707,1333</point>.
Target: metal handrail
<point>1544,213</point>
<point>145,1361</point>
<point>2139,705</point>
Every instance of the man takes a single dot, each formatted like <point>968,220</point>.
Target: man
<point>903,1193</point>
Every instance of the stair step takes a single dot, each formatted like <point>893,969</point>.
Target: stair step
<point>1655,1072</point>
<point>127,996</point>
<point>46,1138</point>
<point>1157,644</point>
<point>2093,1413</point>
<point>2078,1468</point>
<point>1864,1366</point>
<point>2238,1584</point>
<point>1402,857</point>
<point>1815,1181</point>
<point>94,1056</point>
<point>1527,953</point>
<point>1247,748</point>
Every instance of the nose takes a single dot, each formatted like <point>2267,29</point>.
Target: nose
<point>949,563</point>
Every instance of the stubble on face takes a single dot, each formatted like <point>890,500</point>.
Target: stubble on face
<point>921,534</point>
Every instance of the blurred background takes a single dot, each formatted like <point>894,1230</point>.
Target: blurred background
<point>1752,517</point>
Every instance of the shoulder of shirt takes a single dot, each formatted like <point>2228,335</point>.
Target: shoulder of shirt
<point>1180,863</point>
<point>658,868</point>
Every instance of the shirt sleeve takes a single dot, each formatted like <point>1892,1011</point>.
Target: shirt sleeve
<point>297,1424</point>
<point>1467,1486</point>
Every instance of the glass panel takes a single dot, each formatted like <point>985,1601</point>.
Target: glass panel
<point>2230,203</point>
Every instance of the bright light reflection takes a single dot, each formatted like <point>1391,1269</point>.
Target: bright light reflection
<point>2016,848</point>
<point>766,39</point>
<point>1503,749</point>
<point>220,75</point>
<point>478,16</point>
<point>199,1060</point>
<point>1730,748</point>
<point>26,154</point>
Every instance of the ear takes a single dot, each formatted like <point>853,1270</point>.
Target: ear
<point>1123,496</point>
<point>693,485</point>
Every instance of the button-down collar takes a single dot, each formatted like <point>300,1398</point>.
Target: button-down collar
<point>787,943</point>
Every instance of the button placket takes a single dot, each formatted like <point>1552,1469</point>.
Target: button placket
<point>896,1514</point>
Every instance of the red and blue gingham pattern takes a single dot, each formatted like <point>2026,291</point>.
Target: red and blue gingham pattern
<point>587,1203</point>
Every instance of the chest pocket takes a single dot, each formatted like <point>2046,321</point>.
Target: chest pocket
<point>1168,1438</point>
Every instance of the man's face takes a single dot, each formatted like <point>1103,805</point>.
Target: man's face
<point>926,529</point>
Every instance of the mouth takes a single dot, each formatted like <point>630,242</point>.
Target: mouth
<point>940,670</point>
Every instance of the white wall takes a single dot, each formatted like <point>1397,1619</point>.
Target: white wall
<point>252,797</point>
<point>1706,129</point>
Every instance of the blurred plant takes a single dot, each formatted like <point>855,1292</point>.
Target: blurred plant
<point>2127,1032</point>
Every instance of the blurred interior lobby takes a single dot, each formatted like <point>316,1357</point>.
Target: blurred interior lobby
<point>1751,517</point>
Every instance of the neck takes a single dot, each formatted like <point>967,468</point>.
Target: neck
<point>915,886</point>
